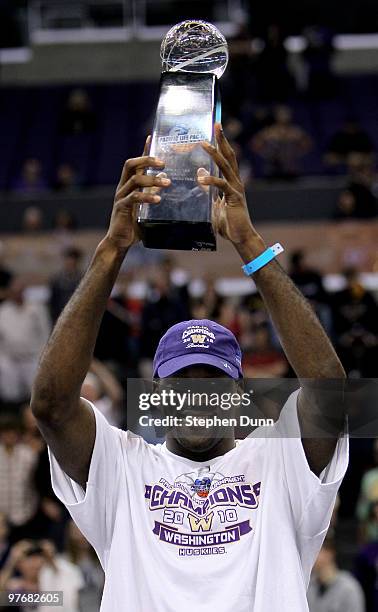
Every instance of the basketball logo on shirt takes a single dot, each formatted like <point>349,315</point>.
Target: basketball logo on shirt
<point>198,484</point>
<point>202,486</point>
<point>208,505</point>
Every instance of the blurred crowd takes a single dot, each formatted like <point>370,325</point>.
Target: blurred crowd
<point>135,320</point>
<point>262,117</point>
<point>40,547</point>
<point>77,118</point>
<point>270,143</point>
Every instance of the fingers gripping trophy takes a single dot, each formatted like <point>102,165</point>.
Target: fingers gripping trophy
<point>194,56</point>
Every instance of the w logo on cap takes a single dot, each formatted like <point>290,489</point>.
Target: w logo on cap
<point>198,338</point>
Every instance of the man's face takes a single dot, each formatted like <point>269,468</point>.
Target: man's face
<point>198,379</point>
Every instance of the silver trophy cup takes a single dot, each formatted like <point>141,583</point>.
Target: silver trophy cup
<point>194,55</point>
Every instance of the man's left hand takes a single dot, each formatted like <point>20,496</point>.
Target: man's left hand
<point>230,213</point>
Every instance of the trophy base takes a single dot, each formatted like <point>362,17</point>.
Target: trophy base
<point>178,235</point>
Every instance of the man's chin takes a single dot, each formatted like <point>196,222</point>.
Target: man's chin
<point>196,443</point>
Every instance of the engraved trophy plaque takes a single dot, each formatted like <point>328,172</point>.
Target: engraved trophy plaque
<point>194,56</point>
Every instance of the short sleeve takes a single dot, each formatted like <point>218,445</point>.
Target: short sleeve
<point>93,510</point>
<point>312,498</point>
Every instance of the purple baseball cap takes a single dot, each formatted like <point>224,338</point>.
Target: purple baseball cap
<point>199,341</point>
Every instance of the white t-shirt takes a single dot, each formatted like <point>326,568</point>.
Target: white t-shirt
<point>66,578</point>
<point>239,532</point>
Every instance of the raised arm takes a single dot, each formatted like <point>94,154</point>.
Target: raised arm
<point>66,422</point>
<point>303,339</point>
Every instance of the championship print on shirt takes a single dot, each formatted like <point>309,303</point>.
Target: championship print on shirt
<point>202,512</point>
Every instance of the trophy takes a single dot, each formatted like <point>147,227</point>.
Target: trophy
<point>194,56</point>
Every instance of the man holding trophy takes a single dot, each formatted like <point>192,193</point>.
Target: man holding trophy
<point>200,522</point>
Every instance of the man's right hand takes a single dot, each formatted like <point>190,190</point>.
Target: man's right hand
<point>123,230</point>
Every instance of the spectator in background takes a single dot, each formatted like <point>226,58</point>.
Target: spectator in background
<point>331,589</point>
<point>357,202</point>
<point>32,220</point>
<point>241,129</point>
<point>51,515</point>
<point>239,73</point>
<point>64,226</point>
<point>40,569</point>
<point>228,317</point>
<point>260,358</point>
<point>66,180</point>
<point>369,528</point>
<point>163,308</point>
<point>212,300</point>
<point>355,324</point>
<point>5,275</point>
<point>198,309</point>
<point>101,387</point>
<point>367,501</point>
<point>366,566</point>
<point>24,330</point>
<point>234,129</point>
<point>310,282</point>
<point>59,574</point>
<point>317,57</point>
<point>362,184</point>
<point>4,539</point>
<point>78,116</point>
<point>31,180</point>
<point>176,278</point>
<point>79,552</point>
<point>346,206</point>
<point>63,284</point>
<point>275,82</point>
<point>350,138</point>
<point>27,560</point>
<point>282,145</point>
<point>18,497</point>
<point>64,221</point>
<point>117,340</point>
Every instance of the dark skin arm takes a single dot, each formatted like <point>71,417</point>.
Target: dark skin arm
<point>67,423</point>
<point>306,345</point>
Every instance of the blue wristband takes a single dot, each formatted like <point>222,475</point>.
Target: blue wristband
<point>263,259</point>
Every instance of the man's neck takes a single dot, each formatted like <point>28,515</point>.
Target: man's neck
<point>220,448</point>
